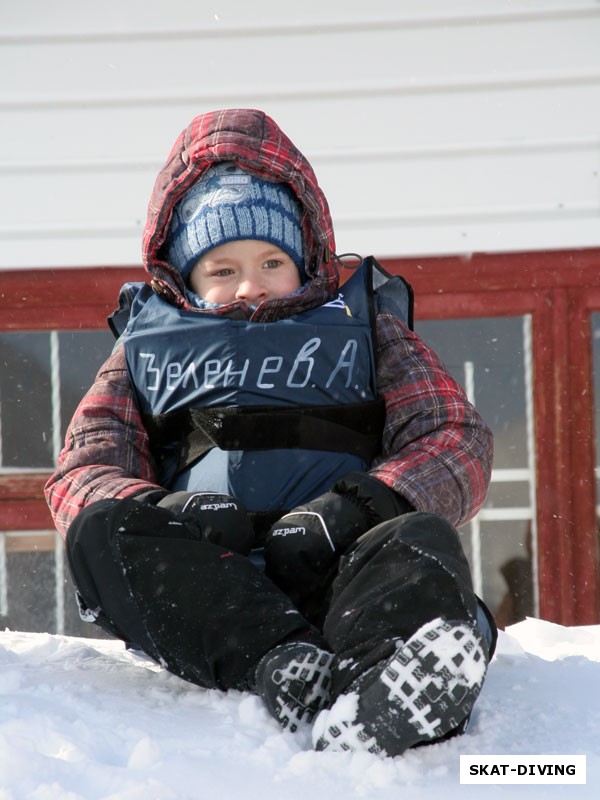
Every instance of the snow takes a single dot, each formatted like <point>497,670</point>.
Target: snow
<point>84,719</point>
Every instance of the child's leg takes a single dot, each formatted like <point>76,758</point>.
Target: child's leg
<point>207,614</point>
<point>399,576</point>
<point>405,627</point>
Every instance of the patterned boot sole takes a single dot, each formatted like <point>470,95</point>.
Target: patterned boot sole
<point>425,691</point>
<point>295,684</point>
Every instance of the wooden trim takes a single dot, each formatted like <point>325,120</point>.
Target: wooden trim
<point>22,506</point>
<point>582,456</point>
<point>21,485</point>
<point>550,358</point>
<point>61,299</point>
<point>32,514</point>
<point>499,272</point>
<point>29,542</point>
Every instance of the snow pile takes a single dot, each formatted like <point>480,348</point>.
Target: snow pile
<point>84,719</point>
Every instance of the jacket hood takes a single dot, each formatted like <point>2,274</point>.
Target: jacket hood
<point>253,141</point>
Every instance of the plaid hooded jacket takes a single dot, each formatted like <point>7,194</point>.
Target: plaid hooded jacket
<point>436,450</point>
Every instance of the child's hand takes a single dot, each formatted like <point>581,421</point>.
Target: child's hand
<point>315,534</point>
<point>303,547</point>
<point>222,519</point>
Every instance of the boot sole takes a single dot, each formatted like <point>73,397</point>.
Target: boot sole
<point>297,691</point>
<point>425,691</point>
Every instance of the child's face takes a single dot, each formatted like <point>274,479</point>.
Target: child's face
<point>249,270</point>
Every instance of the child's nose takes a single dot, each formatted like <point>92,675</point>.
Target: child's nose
<point>251,289</point>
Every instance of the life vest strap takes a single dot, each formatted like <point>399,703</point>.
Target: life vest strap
<point>354,428</point>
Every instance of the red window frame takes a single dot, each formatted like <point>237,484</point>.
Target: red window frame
<point>51,299</point>
<point>560,289</point>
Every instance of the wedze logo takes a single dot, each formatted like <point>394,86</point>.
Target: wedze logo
<point>216,506</point>
<point>289,531</point>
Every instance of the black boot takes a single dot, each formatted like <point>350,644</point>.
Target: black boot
<point>294,681</point>
<point>422,693</point>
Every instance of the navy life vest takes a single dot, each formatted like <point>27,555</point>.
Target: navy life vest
<point>271,413</point>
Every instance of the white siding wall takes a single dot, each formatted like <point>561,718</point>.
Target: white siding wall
<point>434,127</point>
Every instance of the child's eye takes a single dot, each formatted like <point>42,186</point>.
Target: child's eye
<point>272,263</point>
<point>223,273</point>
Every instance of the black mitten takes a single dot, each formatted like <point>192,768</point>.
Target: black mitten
<point>303,547</point>
<point>222,519</point>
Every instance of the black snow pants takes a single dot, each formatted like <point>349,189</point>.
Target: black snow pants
<point>208,614</point>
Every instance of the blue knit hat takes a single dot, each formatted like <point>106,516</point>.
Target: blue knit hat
<point>228,204</point>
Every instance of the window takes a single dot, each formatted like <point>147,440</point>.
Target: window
<point>51,345</point>
<point>521,332</point>
<point>551,297</point>
<point>491,358</point>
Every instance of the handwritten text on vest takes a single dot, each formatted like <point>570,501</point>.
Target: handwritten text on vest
<point>261,373</point>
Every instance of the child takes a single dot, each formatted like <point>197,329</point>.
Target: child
<point>261,487</point>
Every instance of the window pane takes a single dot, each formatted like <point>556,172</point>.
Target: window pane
<point>82,353</point>
<point>25,414</point>
<point>495,348</point>
<point>490,358</point>
<point>42,378</point>
<point>36,593</point>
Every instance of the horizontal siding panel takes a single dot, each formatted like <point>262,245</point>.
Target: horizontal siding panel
<point>306,92</point>
<point>111,71</point>
<point>474,122</point>
<point>378,197</point>
<point>470,119</point>
<point>473,184</point>
<point>436,237</point>
<point>73,201</point>
<point>113,18</point>
<point>108,248</point>
<point>362,186</point>
<point>408,238</point>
